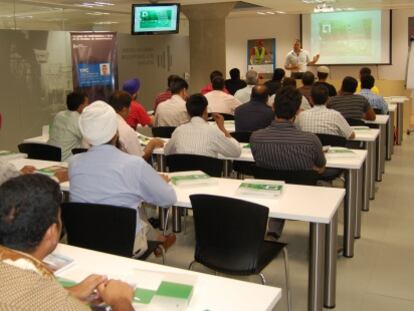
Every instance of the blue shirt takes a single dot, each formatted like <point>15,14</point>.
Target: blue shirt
<point>106,175</point>
<point>375,101</point>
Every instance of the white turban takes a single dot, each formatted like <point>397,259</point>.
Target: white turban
<point>98,123</point>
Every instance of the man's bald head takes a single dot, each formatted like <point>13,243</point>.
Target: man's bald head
<point>260,93</point>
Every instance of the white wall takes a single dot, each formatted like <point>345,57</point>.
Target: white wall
<point>285,28</point>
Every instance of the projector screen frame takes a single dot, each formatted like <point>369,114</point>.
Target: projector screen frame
<point>353,64</point>
<point>143,33</point>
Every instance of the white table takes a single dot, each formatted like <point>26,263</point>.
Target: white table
<point>37,139</point>
<point>316,205</point>
<point>383,122</point>
<point>399,100</point>
<point>7,156</point>
<point>210,292</point>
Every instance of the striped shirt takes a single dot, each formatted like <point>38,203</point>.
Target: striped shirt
<point>350,106</point>
<point>321,120</point>
<point>200,138</point>
<point>282,146</point>
<point>376,101</point>
<point>171,112</point>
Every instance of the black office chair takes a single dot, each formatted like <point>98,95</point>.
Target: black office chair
<point>41,151</point>
<point>104,228</point>
<point>332,140</point>
<point>78,150</point>
<point>226,116</point>
<point>229,237</point>
<point>242,167</point>
<point>291,177</point>
<point>192,162</point>
<point>355,122</point>
<point>163,131</point>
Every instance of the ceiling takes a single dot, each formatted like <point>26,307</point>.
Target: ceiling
<point>72,15</point>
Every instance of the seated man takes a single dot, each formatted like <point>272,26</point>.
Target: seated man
<point>106,175</point>
<point>128,139</point>
<point>209,87</point>
<point>290,82</point>
<point>276,82</point>
<point>30,228</point>
<point>163,96</point>
<point>321,120</point>
<point>137,113</point>
<point>64,132</point>
<point>219,101</point>
<point>362,72</point>
<point>323,73</point>
<point>349,105</point>
<point>376,101</point>
<point>255,114</point>
<point>244,94</point>
<point>281,146</point>
<point>234,83</point>
<point>172,112</point>
<point>308,78</point>
<point>199,137</point>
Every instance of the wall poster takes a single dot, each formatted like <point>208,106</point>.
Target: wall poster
<point>261,56</point>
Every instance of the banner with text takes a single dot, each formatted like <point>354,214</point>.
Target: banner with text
<point>94,63</point>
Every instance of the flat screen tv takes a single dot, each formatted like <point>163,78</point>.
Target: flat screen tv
<point>155,19</point>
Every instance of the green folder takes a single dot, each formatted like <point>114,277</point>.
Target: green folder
<point>175,290</point>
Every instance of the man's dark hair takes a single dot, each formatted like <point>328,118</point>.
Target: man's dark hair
<point>178,85</point>
<point>367,82</point>
<point>260,93</point>
<point>215,74</point>
<point>217,84</point>
<point>278,74</point>
<point>170,80</point>
<point>308,78</point>
<point>287,102</point>
<point>364,71</point>
<point>322,75</point>
<point>289,82</point>
<point>349,85</point>
<point>29,205</point>
<point>196,104</point>
<point>319,94</point>
<point>74,100</point>
<point>120,100</point>
<point>235,74</point>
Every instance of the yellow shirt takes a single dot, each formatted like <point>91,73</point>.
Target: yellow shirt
<point>374,89</point>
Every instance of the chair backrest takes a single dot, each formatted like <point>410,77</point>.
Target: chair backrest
<point>79,150</point>
<point>41,151</point>
<point>241,137</point>
<point>355,122</point>
<point>229,233</point>
<point>103,228</point>
<point>291,177</point>
<point>332,140</point>
<point>163,131</point>
<point>191,162</point>
<point>226,116</point>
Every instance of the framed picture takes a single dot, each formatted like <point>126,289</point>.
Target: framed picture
<point>261,56</point>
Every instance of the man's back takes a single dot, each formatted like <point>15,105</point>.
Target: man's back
<point>220,102</point>
<point>233,85</point>
<point>244,94</point>
<point>65,132</point>
<point>106,175</point>
<point>282,146</point>
<point>350,106</point>
<point>171,112</point>
<point>252,116</point>
<point>376,101</point>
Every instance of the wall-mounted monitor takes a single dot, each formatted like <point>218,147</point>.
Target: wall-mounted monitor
<point>155,19</point>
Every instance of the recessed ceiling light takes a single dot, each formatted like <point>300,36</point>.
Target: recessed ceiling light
<point>270,13</point>
<point>261,13</point>
<point>280,12</point>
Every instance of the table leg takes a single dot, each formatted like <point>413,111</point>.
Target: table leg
<point>330,262</point>
<point>367,174</point>
<point>161,162</point>
<point>176,219</point>
<point>163,217</point>
<point>390,137</point>
<point>316,266</point>
<point>372,164</point>
<point>359,202</point>
<point>392,123</point>
<point>400,122</point>
<point>226,168</point>
<point>383,147</point>
<point>378,153</point>
<point>349,211</point>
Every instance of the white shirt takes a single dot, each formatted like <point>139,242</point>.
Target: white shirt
<point>171,112</point>
<point>220,102</point>
<point>200,138</point>
<point>302,59</point>
<point>304,105</point>
<point>128,138</point>
<point>65,132</point>
<point>244,94</point>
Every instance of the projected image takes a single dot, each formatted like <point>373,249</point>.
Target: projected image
<point>155,18</point>
<point>347,37</point>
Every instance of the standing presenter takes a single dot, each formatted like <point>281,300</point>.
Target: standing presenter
<point>297,60</point>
